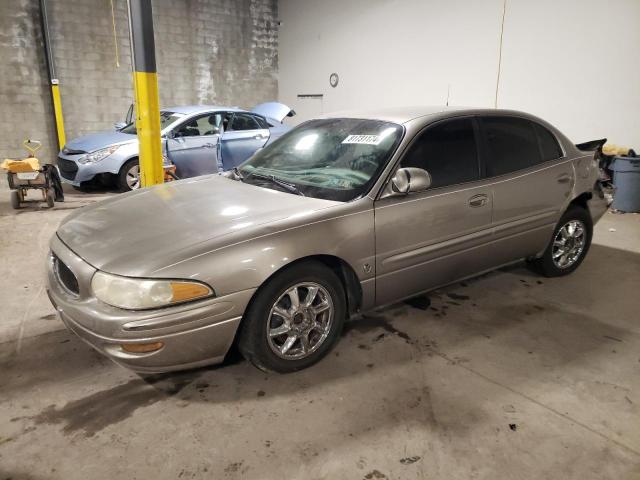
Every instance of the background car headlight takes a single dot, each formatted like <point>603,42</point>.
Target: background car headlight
<point>140,294</point>
<point>98,155</point>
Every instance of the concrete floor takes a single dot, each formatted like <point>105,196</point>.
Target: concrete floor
<point>506,376</point>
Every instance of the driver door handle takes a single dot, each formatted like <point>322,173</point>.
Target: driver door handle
<point>564,178</point>
<point>208,145</point>
<point>478,201</point>
<point>259,136</point>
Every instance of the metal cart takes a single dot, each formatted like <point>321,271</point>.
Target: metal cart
<point>23,177</point>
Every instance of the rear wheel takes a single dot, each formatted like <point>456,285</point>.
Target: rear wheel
<point>569,245</point>
<point>15,199</point>
<point>295,319</point>
<point>129,176</point>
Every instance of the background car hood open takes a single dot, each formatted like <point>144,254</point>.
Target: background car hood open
<point>138,233</point>
<point>96,141</point>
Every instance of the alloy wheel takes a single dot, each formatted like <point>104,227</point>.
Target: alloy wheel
<point>133,177</point>
<point>569,244</point>
<point>300,321</point>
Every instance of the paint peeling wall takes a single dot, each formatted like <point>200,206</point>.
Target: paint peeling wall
<point>208,51</point>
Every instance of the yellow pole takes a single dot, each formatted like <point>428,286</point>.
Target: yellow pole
<point>57,111</point>
<point>55,84</point>
<point>145,81</point>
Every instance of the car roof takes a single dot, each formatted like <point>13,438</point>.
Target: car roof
<point>189,109</point>
<point>403,115</point>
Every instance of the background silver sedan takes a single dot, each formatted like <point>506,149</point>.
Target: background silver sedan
<point>198,139</point>
<point>338,216</point>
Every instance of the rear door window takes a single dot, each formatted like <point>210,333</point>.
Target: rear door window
<point>243,121</point>
<point>447,151</point>
<point>512,144</point>
<point>261,121</point>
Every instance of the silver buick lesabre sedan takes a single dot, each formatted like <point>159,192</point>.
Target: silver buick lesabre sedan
<point>339,215</point>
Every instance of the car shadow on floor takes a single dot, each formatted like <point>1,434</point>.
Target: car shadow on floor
<point>498,319</point>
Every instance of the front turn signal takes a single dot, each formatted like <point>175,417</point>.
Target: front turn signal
<point>141,347</point>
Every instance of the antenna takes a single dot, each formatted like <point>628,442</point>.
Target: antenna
<point>448,91</point>
<point>504,12</point>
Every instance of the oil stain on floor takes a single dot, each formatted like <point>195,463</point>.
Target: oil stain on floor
<point>101,409</point>
<point>371,321</point>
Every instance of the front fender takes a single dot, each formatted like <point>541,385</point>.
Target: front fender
<point>248,264</point>
<point>113,163</point>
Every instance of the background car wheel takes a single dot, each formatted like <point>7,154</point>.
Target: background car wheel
<point>295,319</point>
<point>129,176</point>
<point>569,244</point>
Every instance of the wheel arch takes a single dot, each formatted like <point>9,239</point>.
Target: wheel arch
<point>581,200</point>
<point>343,270</point>
<point>124,162</point>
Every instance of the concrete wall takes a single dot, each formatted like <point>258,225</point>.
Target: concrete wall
<point>25,99</point>
<point>573,62</point>
<point>208,51</point>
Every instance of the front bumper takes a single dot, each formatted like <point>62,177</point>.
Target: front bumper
<point>74,172</point>
<point>193,335</point>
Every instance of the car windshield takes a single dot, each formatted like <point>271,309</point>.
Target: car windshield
<point>166,119</point>
<point>333,159</point>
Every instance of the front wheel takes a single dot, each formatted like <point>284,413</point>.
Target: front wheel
<point>129,176</point>
<point>50,197</point>
<point>295,319</point>
<point>569,245</point>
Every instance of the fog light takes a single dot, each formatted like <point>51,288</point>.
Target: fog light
<point>141,347</point>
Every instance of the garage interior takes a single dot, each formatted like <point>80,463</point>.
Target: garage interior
<point>505,375</point>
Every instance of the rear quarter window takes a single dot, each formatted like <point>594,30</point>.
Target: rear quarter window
<point>548,144</point>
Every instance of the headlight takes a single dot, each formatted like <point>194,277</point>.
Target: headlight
<point>140,294</point>
<point>99,154</point>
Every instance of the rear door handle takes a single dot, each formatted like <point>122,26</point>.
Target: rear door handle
<point>478,201</point>
<point>260,136</point>
<point>208,145</point>
<point>564,178</point>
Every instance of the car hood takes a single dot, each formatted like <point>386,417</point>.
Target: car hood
<point>96,141</point>
<point>139,233</point>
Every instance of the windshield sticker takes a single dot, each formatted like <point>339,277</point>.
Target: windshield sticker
<point>364,139</point>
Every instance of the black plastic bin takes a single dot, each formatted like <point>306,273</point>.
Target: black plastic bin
<point>626,180</point>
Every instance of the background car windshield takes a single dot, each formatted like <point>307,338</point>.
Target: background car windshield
<point>334,159</point>
<point>166,119</point>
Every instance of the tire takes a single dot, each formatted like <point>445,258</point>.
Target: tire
<point>322,329</point>
<point>550,267</point>
<point>125,183</point>
<point>15,199</point>
<point>50,198</point>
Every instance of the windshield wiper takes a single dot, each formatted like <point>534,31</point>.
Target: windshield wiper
<point>273,179</point>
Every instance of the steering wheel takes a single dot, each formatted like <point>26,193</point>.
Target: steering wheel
<point>364,163</point>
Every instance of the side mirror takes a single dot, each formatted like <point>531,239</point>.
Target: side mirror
<point>408,180</point>
<point>119,125</point>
